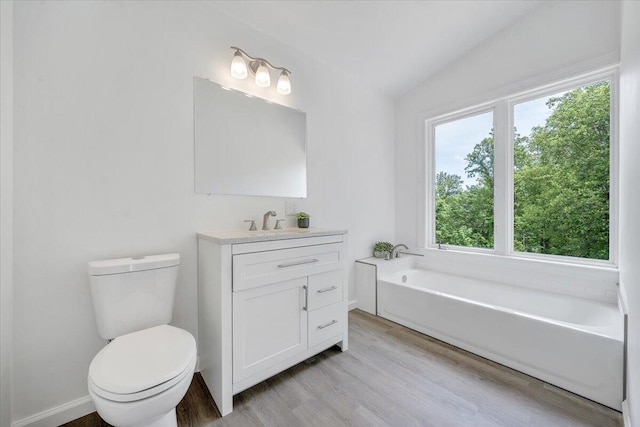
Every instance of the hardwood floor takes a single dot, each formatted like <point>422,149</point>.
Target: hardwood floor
<point>393,376</point>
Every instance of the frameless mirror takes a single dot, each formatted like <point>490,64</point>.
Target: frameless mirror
<point>246,145</point>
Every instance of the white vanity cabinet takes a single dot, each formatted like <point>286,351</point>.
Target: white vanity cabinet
<point>267,301</point>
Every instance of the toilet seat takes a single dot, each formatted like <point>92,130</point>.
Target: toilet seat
<point>150,392</point>
<point>143,363</point>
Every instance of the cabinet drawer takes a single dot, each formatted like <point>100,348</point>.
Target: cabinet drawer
<point>325,289</point>
<point>262,268</point>
<point>326,322</point>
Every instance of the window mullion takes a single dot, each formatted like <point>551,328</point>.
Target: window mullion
<point>503,176</point>
<point>428,178</point>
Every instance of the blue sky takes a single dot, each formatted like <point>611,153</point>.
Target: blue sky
<point>454,140</point>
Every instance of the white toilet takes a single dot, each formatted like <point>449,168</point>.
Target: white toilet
<point>143,373</point>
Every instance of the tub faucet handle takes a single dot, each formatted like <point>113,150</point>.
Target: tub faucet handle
<point>278,226</point>
<point>253,224</point>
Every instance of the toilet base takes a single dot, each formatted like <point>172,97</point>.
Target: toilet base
<point>168,420</point>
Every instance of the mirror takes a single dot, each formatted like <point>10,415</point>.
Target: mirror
<point>246,145</point>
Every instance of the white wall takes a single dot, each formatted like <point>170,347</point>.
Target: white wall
<point>6,208</point>
<point>629,195</point>
<point>104,164</point>
<point>552,42</point>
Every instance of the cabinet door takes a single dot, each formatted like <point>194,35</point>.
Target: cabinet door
<point>269,326</point>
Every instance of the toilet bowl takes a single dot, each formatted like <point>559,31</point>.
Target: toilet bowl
<point>139,378</point>
<point>144,371</point>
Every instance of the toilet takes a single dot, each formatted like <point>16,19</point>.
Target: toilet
<point>141,375</point>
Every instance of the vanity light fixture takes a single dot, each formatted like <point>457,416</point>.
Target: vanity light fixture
<point>259,67</point>
<point>284,84</point>
<point>263,78</point>
<point>238,67</point>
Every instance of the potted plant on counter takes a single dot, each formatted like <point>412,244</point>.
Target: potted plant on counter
<point>303,219</point>
<point>382,249</point>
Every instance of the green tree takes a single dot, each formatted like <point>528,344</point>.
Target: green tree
<point>448,188</point>
<point>447,184</point>
<point>464,217</point>
<point>480,161</point>
<point>561,180</point>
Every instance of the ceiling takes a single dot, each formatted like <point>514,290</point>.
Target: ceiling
<point>391,46</point>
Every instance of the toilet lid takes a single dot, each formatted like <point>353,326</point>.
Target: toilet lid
<point>142,360</point>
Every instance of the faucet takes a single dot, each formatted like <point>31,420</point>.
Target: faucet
<point>265,219</point>
<point>395,252</point>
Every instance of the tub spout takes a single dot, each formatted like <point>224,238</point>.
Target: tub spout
<point>395,252</point>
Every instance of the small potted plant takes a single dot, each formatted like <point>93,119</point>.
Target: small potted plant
<point>303,219</point>
<point>382,249</point>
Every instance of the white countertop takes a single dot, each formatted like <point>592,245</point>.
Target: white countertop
<point>227,237</point>
<point>373,260</point>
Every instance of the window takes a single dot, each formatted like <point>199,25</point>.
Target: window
<point>464,181</point>
<point>528,175</point>
<point>561,173</point>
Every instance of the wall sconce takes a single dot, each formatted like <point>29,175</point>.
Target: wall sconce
<point>259,67</point>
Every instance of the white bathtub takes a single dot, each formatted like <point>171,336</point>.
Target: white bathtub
<point>573,343</point>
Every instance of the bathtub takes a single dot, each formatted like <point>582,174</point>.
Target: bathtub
<point>570,342</point>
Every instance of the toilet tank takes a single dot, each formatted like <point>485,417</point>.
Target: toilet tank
<point>130,294</point>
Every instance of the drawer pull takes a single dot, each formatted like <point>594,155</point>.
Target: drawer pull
<point>291,264</point>
<point>306,298</point>
<point>326,325</point>
<point>330,288</point>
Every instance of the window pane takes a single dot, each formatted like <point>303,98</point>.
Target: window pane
<point>561,173</point>
<point>464,181</point>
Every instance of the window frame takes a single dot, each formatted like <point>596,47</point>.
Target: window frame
<point>430,128</point>
<point>503,192</point>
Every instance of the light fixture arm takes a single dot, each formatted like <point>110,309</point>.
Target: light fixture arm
<point>255,62</point>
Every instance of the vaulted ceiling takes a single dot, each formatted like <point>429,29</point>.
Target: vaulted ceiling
<point>390,46</point>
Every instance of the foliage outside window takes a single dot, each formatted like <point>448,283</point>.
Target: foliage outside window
<point>561,177</point>
<point>561,188</point>
<point>464,181</point>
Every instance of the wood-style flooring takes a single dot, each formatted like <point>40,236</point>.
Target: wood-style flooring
<point>392,376</point>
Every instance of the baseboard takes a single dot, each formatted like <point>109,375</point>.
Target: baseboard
<point>58,415</point>
<point>626,416</point>
<point>353,304</point>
